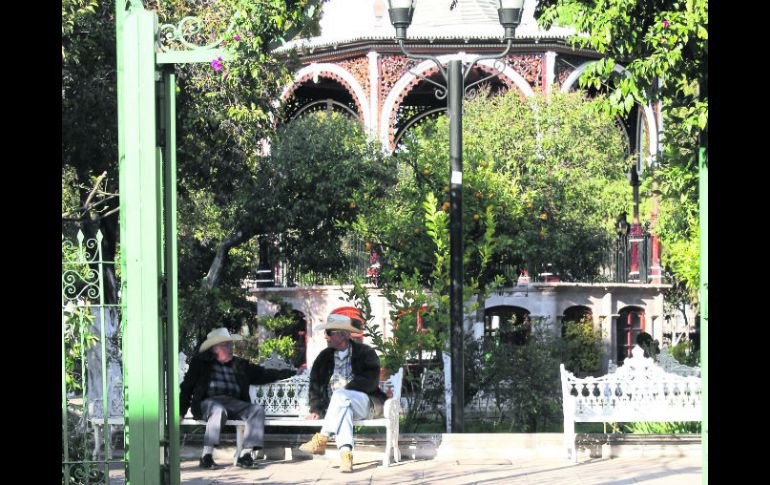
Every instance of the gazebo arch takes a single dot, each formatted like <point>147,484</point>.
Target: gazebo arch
<point>402,87</point>
<point>649,115</point>
<point>339,74</point>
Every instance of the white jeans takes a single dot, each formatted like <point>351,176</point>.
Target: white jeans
<point>344,407</point>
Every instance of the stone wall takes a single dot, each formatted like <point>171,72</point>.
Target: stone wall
<point>545,300</point>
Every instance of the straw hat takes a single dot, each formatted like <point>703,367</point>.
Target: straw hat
<point>217,336</point>
<point>339,322</point>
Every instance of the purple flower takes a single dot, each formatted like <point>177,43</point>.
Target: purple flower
<point>237,37</point>
<point>665,23</point>
<point>217,64</point>
<point>227,73</point>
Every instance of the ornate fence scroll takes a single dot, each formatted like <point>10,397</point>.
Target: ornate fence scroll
<point>90,360</point>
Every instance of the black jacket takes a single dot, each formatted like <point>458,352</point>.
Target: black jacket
<point>196,381</point>
<point>366,378</point>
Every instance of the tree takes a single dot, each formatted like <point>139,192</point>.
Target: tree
<point>223,114</point>
<point>551,183</point>
<point>663,45</point>
<point>523,380</point>
<point>298,200</point>
<point>89,126</point>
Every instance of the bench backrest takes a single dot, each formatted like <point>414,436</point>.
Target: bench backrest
<point>290,397</point>
<point>668,363</point>
<point>640,390</point>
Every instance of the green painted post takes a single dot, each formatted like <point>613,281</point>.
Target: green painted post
<point>147,216</point>
<point>172,323</point>
<point>141,240</point>
<point>703,199</point>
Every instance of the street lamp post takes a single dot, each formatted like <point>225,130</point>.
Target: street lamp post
<point>509,13</point>
<point>636,235</point>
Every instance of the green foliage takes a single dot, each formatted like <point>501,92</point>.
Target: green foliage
<point>89,124</point>
<point>547,189</point>
<point>77,340</point>
<point>256,351</point>
<point>664,40</point>
<point>202,310</point>
<point>582,347</point>
<point>221,122</point>
<point>404,340</point>
<point>70,199</point>
<point>685,353</point>
<point>282,346</point>
<point>663,44</point>
<point>77,316</point>
<point>299,201</point>
<point>323,172</point>
<point>653,427</point>
<point>524,379</point>
<point>72,13</point>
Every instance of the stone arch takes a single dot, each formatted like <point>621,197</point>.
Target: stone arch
<point>649,115</point>
<point>339,74</point>
<point>516,334</point>
<point>574,313</point>
<point>404,85</point>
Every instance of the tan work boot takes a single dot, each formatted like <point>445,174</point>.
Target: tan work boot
<point>346,463</point>
<point>316,445</point>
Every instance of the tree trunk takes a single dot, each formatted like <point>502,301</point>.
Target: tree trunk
<point>220,259</point>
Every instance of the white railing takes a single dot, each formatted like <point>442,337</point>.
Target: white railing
<point>640,390</point>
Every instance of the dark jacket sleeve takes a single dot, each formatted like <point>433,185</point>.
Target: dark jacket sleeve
<point>366,370</point>
<point>259,375</point>
<point>188,385</point>
<point>319,380</point>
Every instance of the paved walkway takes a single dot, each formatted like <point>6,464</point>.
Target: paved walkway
<point>368,469</point>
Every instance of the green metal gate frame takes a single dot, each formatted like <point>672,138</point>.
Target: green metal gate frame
<point>147,181</point>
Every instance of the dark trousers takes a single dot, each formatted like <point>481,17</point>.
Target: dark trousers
<point>218,409</point>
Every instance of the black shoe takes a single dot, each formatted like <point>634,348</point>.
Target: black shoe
<point>207,461</point>
<point>246,461</point>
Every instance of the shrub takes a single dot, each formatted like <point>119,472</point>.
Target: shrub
<point>685,353</point>
<point>524,379</point>
<point>682,427</point>
<point>581,347</point>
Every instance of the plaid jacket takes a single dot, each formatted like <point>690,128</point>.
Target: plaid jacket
<point>196,382</point>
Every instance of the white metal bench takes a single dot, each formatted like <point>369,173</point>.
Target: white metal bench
<point>668,363</point>
<point>639,390</point>
<point>286,404</point>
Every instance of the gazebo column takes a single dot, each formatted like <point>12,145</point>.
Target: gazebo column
<point>374,93</point>
<point>656,270</point>
<point>549,72</point>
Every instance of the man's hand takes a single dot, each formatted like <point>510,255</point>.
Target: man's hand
<point>313,416</point>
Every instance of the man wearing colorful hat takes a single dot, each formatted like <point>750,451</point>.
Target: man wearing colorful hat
<point>216,387</point>
<point>344,383</point>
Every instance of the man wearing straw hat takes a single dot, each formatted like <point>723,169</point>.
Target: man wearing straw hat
<point>216,387</point>
<point>344,383</point>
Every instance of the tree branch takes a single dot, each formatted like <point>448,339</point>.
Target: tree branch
<point>220,259</point>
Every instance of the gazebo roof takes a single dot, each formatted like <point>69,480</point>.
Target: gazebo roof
<point>351,21</point>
